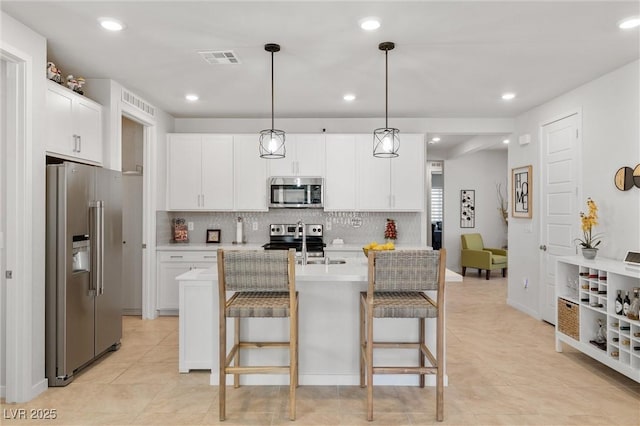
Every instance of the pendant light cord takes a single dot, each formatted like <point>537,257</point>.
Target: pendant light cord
<point>272,91</point>
<point>386,89</point>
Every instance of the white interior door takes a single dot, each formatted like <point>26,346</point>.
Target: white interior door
<point>559,178</point>
<point>3,288</point>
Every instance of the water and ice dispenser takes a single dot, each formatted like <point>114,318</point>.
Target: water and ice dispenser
<point>81,253</point>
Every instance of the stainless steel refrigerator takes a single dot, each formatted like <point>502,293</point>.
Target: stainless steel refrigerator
<point>83,317</point>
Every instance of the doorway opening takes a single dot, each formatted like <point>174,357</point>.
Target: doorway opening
<point>435,196</point>
<point>132,215</point>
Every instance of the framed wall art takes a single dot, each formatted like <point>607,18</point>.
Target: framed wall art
<point>467,208</point>
<point>213,236</point>
<point>521,190</point>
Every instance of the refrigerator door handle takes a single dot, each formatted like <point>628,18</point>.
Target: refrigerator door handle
<point>98,232</point>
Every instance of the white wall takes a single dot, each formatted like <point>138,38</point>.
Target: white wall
<point>610,140</point>
<point>480,171</point>
<point>14,35</point>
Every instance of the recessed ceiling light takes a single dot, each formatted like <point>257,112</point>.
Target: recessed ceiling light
<point>370,23</point>
<point>111,24</point>
<point>436,139</point>
<point>629,23</point>
<point>508,96</point>
<point>191,97</point>
<point>505,141</point>
<point>349,97</point>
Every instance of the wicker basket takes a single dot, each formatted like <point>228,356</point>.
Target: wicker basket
<point>568,318</point>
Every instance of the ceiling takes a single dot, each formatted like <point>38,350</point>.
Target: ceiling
<point>452,59</point>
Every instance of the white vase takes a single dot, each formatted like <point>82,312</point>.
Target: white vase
<point>589,253</point>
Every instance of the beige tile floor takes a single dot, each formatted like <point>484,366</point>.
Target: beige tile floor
<point>502,369</point>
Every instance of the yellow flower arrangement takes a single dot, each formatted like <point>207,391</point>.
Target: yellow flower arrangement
<point>589,220</point>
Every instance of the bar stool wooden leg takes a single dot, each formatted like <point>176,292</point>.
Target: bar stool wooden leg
<point>222,355</point>
<point>297,350</point>
<point>421,344</point>
<point>236,358</point>
<point>440,365</point>
<point>369,363</point>
<point>361,350</point>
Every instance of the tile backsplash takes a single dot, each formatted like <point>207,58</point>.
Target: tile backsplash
<point>352,227</point>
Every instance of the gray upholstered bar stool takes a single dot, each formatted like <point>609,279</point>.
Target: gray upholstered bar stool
<point>397,282</point>
<point>265,287</point>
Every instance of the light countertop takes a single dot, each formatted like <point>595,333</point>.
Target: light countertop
<point>207,247</point>
<point>355,270</point>
<point>257,246</point>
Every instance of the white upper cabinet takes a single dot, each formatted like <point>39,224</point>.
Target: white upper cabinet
<point>74,125</point>
<point>200,172</point>
<point>249,174</point>
<point>304,156</point>
<point>374,177</point>
<point>340,185</point>
<point>391,184</point>
<point>407,174</point>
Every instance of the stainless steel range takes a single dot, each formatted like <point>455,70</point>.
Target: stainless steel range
<point>286,236</point>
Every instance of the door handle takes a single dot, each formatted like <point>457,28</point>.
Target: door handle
<point>543,247</point>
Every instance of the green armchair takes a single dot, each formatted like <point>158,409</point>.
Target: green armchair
<point>476,255</point>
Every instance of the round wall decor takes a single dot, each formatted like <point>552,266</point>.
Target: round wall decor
<point>624,178</point>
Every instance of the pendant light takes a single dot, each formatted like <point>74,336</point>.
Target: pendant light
<point>386,141</point>
<point>272,140</point>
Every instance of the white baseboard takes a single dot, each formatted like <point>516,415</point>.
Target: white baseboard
<point>524,309</point>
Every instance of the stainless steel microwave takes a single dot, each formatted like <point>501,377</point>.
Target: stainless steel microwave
<point>295,192</point>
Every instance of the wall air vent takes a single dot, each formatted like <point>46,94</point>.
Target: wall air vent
<point>436,166</point>
<point>219,57</point>
<point>131,99</point>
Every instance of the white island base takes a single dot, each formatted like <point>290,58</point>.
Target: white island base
<point>328,329</point>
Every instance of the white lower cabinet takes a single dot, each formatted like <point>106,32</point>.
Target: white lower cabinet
<point>170,264</point>
<point>586,292</point>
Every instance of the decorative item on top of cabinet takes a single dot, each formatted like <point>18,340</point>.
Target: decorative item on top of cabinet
<point>53,73</point>
<point>75,84</point>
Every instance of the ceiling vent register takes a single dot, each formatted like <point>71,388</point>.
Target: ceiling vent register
<point>131,99</point>
<point>219,57</point>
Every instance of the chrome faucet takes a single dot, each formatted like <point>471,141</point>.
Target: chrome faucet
<point>304,240</point>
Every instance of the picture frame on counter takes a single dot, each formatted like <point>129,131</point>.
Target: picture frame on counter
<point>213,236</point>
<point>521,190</point>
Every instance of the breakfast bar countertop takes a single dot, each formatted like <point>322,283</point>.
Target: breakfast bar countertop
<point>329,299</point>
<point>354,270</point>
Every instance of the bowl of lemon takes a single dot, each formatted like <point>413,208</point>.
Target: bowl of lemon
<point>378,247</point>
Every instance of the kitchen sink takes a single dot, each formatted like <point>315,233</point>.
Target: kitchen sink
<point>322,261</point>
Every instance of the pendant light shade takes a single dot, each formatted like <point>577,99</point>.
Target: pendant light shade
<point>272,140</point>
<point>386,140</point>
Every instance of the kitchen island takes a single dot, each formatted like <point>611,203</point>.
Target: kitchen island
<point>328,328</point>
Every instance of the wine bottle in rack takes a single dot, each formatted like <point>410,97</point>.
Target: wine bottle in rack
<point>626,303</point>
<point>619,303</point>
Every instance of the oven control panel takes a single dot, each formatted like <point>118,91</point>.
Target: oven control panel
<point>293,230</point>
